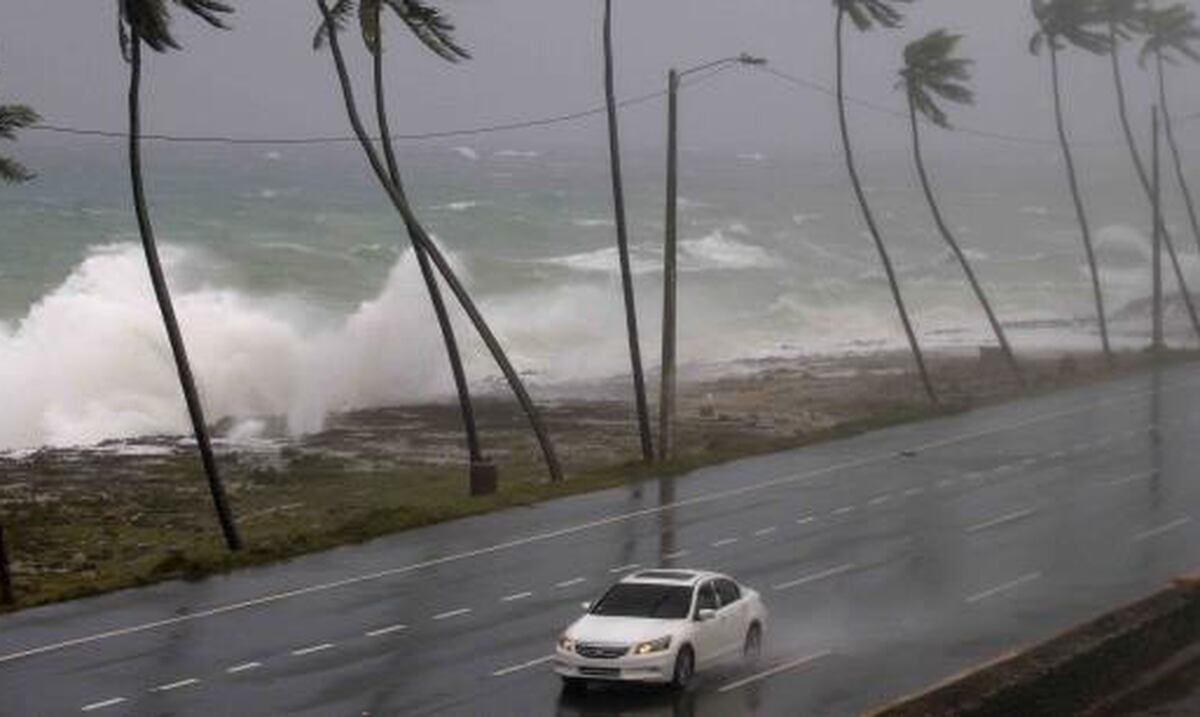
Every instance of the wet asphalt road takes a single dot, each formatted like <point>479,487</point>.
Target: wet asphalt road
<point>888,561</point>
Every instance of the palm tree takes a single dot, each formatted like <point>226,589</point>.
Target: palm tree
<point>147,22</point>
<point>330,27</point>
<point>1170,34</point>
<point>631,326</point>
<point>865,14</point>
<point>13,118</point>
<point>930,72</point>
<point>436,33</point>
<point>1062,23</point>
<point>1125,19</point>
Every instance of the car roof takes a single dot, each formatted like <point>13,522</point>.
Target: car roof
<point>671,576</point>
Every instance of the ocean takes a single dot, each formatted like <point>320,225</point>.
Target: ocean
<point>299,296</point>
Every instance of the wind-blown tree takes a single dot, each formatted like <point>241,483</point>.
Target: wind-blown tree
<point>631,323</point>
<point>147,22</point>
<point>436,33</point>
<point>1075,23</point>
<point>13,118</point>
<point>1171,35</point>
<point>1125,20</point>
<point>932,72</point>
<point>866,14</point>
<point>430,26</point>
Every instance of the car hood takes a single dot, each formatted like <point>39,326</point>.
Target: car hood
<point>620,630</point>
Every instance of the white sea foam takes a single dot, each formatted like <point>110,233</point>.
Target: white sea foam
<point>466,152</point>
<point>517,154</point>
<point>588,223</point>
<point>1036,211</point>
<point>607,260</point>
<point>717,251</point>
<point>459,206</point>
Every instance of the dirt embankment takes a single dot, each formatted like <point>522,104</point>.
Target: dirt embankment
<point>1087,670</point>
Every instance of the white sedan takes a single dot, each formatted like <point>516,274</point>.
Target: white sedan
<point>661,626</point>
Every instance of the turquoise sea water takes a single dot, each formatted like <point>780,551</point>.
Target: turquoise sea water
<point>299,297</point>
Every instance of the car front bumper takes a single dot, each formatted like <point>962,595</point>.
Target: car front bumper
<point>655,668</point>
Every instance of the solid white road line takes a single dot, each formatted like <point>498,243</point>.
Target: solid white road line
<point>624,568</point>
<point>1122,398</point>
<point>817,576</point>
<point>386,630</point>
<point>1134,478</point>
<point>1010,585</point>
<point>1155,532</point>
<point>101,705</point>
<point>176,685</point>
<point>775,671</point>
<point>311,650</point>
<point>675,555</point>
<point>723,542</point>
<point>516,596</point>
<point>244,667</point>
<point>523,666</point>
<point>452,613</point>
<point>764,532</point>
<point>1002,520</point>
<point>569,583</point>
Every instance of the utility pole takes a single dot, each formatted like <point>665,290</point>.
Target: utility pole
<point>6,589</point>
<point>1156,252</point>
<point>666,401</point>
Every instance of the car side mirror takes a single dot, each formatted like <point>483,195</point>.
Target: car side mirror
<point>705,614</point>
<point>586,606</point>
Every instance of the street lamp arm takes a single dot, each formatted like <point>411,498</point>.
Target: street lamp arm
<point>744,58</point>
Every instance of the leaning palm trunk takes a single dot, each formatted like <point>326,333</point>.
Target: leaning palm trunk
<point>870,218</point>
<point>1078,200</point>
<point>427,273</point>
<point>1144,179</point>
<point>954,247</point>
<point>631,323</point>
<point>1180,175</point>
<point>186,380</point>
<point>426,244</point>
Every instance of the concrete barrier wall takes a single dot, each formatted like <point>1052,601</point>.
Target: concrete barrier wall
<point>1071,671</point>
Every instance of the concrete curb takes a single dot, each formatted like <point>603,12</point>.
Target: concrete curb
<point>1073,670</point>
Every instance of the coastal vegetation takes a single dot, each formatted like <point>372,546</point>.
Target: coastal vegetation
<point>144,525</point>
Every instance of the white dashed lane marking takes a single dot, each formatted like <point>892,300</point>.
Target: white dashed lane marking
<point>523,666</point>
<point>101,705</point>
<point>764,531</point>
<point>1155,532</point>
<point>386,630</point>
<point>675,555</point>
<point>244,667</point>
<point>515,597</point>
<point>1006,587</point>
<point>815,577</point>
<point>176,685</point>
<point>569,583</point>
<point>625,568</point>
<point>312,650</point>
<point>452,613</point>
<point>794,664</point>
<point>1002,520</point>
<point>723,542</point>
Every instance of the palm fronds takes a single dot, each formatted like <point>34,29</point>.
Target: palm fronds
<point>1172,32</point>
<point>13,118</point>
<point>866,14</point>
<point>1080,23</point>
<point>428,24</point>
<point>931,71</point>
<point>150,21</point>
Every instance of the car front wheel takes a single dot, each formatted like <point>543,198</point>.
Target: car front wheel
<point>752,649</point>
<point>685,668</point>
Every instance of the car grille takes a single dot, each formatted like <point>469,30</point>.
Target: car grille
<point>600,671</point>
<point>600,652</point>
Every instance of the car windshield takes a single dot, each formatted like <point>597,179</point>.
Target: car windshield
<point>665,602</point>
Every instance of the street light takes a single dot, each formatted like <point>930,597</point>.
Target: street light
<point>666,404</point>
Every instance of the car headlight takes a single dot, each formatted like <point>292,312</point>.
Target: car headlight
<point>647,648</point>
<point>565,643</point>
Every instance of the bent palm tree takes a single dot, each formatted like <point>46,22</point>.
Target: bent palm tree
<point>436,33</point>
<point>1125,19</point>
<point>631,326</point>
<point>147,22</point>
<point>330,28</point>
<point>13,118</point>
<point>1170,34</point>
<point>931,71</point>
<point>1073,22</point>
<point>865,14</point>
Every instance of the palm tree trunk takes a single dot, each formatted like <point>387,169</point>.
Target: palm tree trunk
<point>869,217</point>
<point>422,238</point>
<point>1180,175</point>
<point>631,323</point>
<point>1140,166</point>
<point>1079,210</point>
<point>427,274</point>
<point>186,380</point>
<point>954,247</point>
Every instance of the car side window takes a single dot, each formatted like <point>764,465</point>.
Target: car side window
<point>729,592</point>
<point>706,599</point>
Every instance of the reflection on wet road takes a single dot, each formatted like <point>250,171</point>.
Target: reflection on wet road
<point>888,561</point>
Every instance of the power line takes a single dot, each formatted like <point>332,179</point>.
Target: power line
<point>445,134</point>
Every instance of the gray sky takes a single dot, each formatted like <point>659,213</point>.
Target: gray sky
<point>537,57</point>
